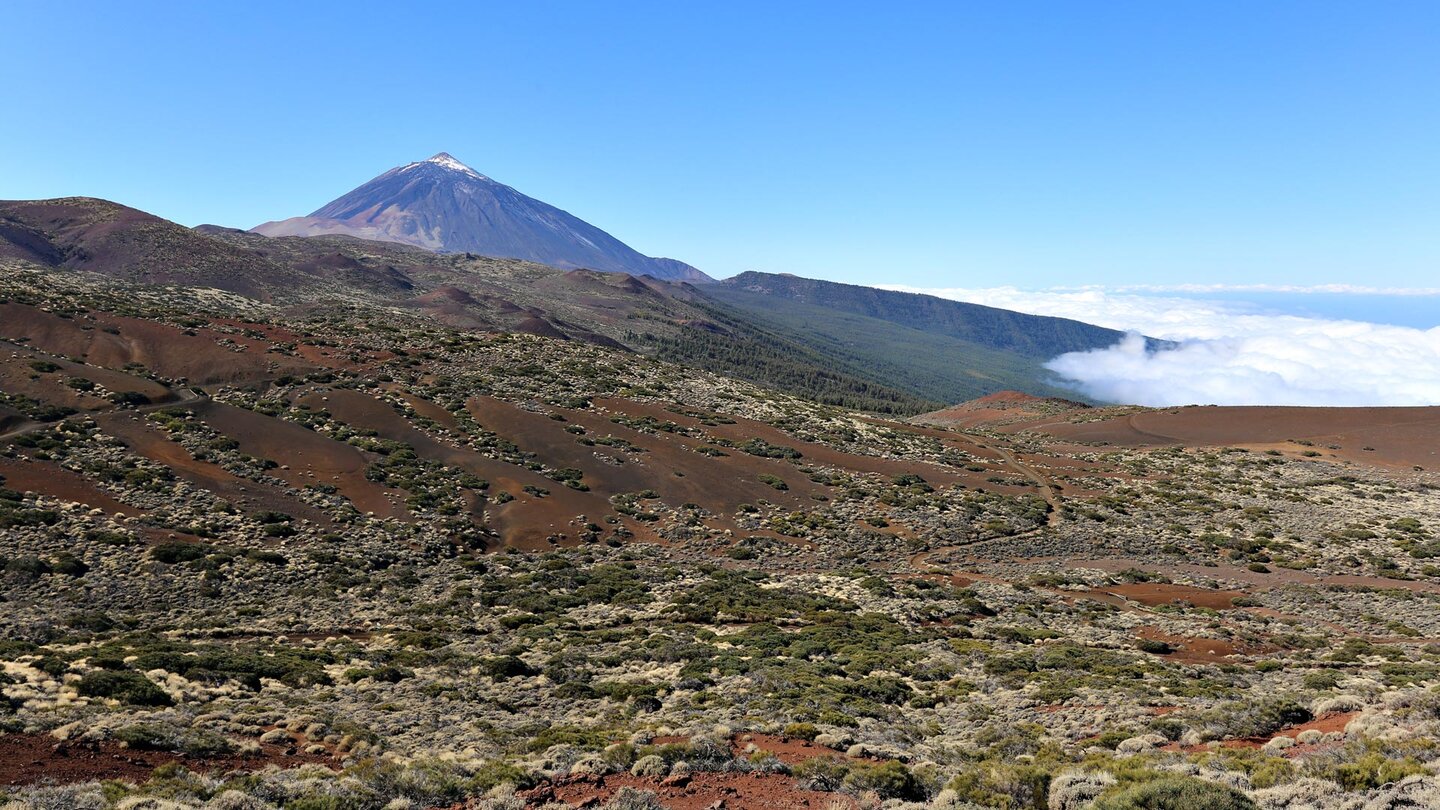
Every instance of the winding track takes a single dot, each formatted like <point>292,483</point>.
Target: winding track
<point>1047,489</point>
<point>183,396</point>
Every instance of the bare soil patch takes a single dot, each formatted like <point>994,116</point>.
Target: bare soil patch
<point>1157,593</point>
<point>50,479</point>
<point>1190,649</point>
<point>310,457</point>
<point>114,341</point>
<point>244,493</point>
<point>530,521</point>
<point>1390,437</point>
<point>789,750</point>
<point>29,758</point>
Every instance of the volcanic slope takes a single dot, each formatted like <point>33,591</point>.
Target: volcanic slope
<point>351,556</point>
<point>442,204</point>
<point>786,344</point>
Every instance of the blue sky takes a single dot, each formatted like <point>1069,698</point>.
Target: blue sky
<point>946,144</point>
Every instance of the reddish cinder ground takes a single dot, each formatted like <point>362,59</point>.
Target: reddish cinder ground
<point>1158,593</point>
<point>789,750</point>
<point>1324,725</point>
<point>1393,437</point>
<point>999,407</point>
<point>1194,650</point>
<point>48,478</point>
<point>147,440</point>
<point>163,349</point>
<point>29,758</point>
<point>310,457</point>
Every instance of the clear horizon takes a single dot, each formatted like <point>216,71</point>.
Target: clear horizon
<point>1289,144</point>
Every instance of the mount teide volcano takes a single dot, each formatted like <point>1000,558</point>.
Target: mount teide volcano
<point>443,205</point>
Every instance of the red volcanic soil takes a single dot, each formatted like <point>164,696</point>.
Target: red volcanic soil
<point>243,493</point>
<point>1326,724</point>
<point>669,465</point>
<point>1155,593</point>
<point>18,377</point>
<point>311,457</point>
<point>1001,406</point>
<point>1399,437</point>
<point>29,758</point>
<point>114,341</point>
<point>50,479</point>
<point>526,522</point>
<point>427,409</point>
<point>1190,649</point>
<point>698,791</point>
<point>745,429</point>
<point>789,750</point>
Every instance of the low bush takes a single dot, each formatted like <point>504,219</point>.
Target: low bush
<point>127,687</point>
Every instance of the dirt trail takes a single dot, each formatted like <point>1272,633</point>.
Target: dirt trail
<point>182,396</point>
<point>1047,491</point>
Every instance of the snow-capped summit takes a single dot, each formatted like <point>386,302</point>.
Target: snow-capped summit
<point>437,204</point>
<point>447,161</point>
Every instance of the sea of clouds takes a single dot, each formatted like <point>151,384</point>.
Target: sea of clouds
<point>1226,353</point>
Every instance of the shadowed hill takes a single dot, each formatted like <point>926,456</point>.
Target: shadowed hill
<point>1028,335</point>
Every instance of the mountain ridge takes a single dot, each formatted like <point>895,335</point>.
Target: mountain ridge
<point>1031,335</point>
<point>444,205</point>
<point>840,354</point>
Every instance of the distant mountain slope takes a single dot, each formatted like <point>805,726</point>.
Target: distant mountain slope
<point>443,205</point>
<point>929,366</point>
<point>99,236</point>
<point>825,353</point>
<point>1029,335</point>
<point>458,289</point>
<point>930,348</point>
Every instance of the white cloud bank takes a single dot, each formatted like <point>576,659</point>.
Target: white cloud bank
<point>1228,356</point>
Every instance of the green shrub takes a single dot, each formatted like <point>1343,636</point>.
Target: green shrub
<point>172,553</point>
<point>385,674</point>
<point>507,666</point>
<point>774,482</point>
<point>891,780</point>
<point>147,737</point>
<point>127,687</point>
<point>804,731</point>
<point>1375,769</point>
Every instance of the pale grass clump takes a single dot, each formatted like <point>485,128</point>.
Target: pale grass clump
<point>1338,704</point>
<point>1072,791</point>
<point>86,796</point>
<point>1279,744</point>
<point>1306,794</point>
<point>650,765</point>
<point>627,798</point>
<point>153,803</point>
<point>235,800</point>
<point>1419,792</point>
<point>501,797</point>
<point>1407,698</point>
